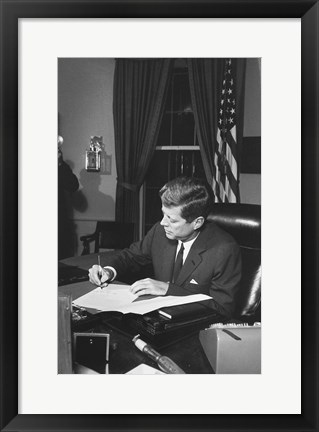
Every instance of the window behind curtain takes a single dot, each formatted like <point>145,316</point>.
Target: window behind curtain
<point>177,150</point>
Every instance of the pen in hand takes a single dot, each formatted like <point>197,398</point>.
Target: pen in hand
<point>100,270</point>
<point>104,273</point>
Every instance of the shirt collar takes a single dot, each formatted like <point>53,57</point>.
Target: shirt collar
<point>187,244</point>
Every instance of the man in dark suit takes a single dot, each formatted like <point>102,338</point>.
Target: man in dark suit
<point>189,254</point>
<point>67,184</point>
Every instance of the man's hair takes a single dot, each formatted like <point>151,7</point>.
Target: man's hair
<point>192,194</point>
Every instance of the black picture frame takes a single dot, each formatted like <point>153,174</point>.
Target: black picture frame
<point>11,11</point>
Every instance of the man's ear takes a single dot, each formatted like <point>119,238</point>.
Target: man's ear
<point>198,222</point>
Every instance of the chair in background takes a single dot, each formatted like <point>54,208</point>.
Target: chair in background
<point>109,235</point>
<point>243,222</point>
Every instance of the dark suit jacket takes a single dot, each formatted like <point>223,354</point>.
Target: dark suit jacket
<point>214,262</point>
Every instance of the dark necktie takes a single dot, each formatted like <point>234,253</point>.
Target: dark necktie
<point>178,263</point>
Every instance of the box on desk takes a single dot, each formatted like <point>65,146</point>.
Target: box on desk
<point>177,323</point>
<point>160,327</point>
<point>172,318</point>
<point>233,349</point>
<point>91,350</point>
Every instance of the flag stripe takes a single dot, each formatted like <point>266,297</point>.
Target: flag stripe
<point>226,176</point>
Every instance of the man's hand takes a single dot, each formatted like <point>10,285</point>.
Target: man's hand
<point>149,286</point>
<point>100,276</point>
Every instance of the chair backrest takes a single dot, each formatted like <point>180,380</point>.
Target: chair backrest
<point>243,222</point>
<point>113,235</point>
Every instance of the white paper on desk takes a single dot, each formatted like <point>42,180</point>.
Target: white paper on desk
<point>144,369</point>
<point>119,298</point>
<point>144,306</point>
<point>111,298</point>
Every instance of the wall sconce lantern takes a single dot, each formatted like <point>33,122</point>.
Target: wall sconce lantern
<point>93,156</point>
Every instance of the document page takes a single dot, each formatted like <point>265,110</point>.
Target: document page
<point>119,298</point>
<point>111,298</point>
<point>144,306</point>
<point>144,369</point>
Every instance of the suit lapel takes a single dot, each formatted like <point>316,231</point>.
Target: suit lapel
<point>169,253</point>
<point>189,266</point>
<point>193,258</point>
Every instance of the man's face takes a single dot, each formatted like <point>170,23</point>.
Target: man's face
<point>176,227</point>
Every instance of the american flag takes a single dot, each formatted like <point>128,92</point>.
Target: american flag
<point>226,178</point>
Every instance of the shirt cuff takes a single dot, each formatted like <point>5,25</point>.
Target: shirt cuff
<point>114,272</point>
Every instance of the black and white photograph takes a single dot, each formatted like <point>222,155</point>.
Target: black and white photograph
<point>159,273</point>
<point>159,215</point>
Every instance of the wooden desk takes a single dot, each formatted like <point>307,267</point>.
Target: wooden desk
<point>83,261</point>
<point>124,356</point>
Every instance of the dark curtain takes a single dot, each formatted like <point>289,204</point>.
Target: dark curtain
<point>205,78</point>
<point>140,88</point>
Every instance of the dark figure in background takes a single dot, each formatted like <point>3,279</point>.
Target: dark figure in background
<point>67,184</point>
<point>208,258</point>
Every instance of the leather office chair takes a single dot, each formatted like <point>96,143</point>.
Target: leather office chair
<point>243,222</point>
<point>109,235</point>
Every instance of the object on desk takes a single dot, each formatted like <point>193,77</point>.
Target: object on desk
<point>165,363</point>
<point>119,298</point>
<point>92,350</point>
<point>233,349</point>
<point>64,335</point>
<point>79,369</point>
<point>181,317</point>
<point>191,310</point>
<point>71,274</point>
<point>144,306</point>
<point>78,314</point>
<point>144,369</point>
<point>111,298</point>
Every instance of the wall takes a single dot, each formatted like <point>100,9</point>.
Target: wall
<point>85,98</point>
<point>250,184</point>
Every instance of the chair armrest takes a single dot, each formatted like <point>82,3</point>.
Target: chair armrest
<point>86,240</point>
<point>88,237</point>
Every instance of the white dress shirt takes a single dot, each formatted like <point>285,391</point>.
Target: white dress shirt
<point>187,246</point>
